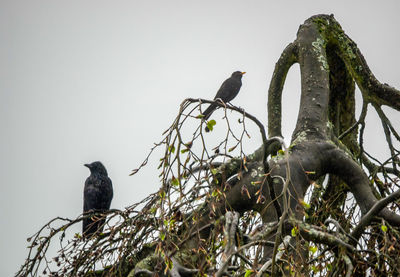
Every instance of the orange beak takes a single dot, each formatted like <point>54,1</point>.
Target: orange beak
<point>243,73</point>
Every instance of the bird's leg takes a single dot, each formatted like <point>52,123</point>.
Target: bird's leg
<point>221,101</point>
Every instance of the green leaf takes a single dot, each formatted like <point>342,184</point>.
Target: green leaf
<point>304,204</point>
<point>313,249</point>
<point>281,152</point>
<point>295,230</point>
<point>384,228</point>
<point>171,149</point>
<point>169,264</point>
<point>248,272</point>
<point>210,124</point>
<point>162,236</point>
<point>214,171</point>
<point>175,182</point>
<point>183,151</point>
<point>162,194</point>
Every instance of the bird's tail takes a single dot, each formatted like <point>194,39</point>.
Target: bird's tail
<point>207,113</point>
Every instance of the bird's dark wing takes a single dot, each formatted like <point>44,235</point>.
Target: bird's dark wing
<point>97,196</point>
<point>90,193</point>
<point>107,194</point>
<point>90,198</point>
<point>98,193</point>
<point>228,90</point>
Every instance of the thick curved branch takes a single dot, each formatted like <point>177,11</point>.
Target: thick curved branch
<point>343,166</point>
<point>286,60</point>
<point>314,102</point>
<point>375,210</point>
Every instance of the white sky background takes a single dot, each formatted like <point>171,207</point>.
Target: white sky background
<point>101,80</point>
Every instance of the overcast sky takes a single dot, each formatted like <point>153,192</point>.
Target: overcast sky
<point>101,80</point>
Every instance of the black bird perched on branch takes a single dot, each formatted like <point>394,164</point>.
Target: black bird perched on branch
<point>97,197</point>
<point>228,90</point>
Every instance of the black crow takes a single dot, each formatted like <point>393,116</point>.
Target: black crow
<point>97,197</point>
<point>228,90</point>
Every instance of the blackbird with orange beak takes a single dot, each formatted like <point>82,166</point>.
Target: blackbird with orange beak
<point>228,90</point>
